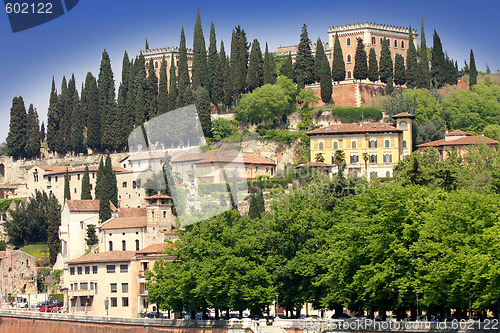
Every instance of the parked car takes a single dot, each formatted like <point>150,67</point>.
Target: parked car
<point>154,314</point>
<point>47,308</point>
<point>57,304</point>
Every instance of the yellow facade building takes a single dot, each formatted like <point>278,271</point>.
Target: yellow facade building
<point>370,149</point>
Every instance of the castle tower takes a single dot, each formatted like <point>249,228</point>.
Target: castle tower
<point>404,122</point>
<point>160,218</point>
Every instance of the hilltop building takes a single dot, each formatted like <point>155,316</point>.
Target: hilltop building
<point>382,144</point>
<point>171,54</point>
<point>17,273</point>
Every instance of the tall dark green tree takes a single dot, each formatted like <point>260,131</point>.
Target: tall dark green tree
<point>151,92</point>
<point>338,65</point>
<point>389,88</point>
<point>360,66</point>
<point>372,66</point>
<point>227,82</point>
<point>183,73</point>
<point>16,139</point>
<point>199,70</point>
<point>86,192</point>
<point>256,206</point>
<point>287,67</point>
<point>163,88</point>
<point>399,70</point>
<point>107,105</point>
<point>411,62</point>
<point>111,183</point>
<point>324,72</point>
<point>255,67</point>
<point>269,76</point>
<point>239,61</point>
<point>386,66</point>
<point>53,119</point>
<point>42,132</point>
<point>215,70</point>
<point>304,61</point>
<point>77,126</point>
<point>204,112</point>
<point>423,65</point>
<point>32,147</point>
<point>147,45</point>
<point>172,89</point>
<point>100,182</point>
<point>53,216</point>
<point>91,238</point>
<point>67,190</point>
<point>69,97</point>
<point>438,63</point>
<point>90,101</point>
<point>472,71</point>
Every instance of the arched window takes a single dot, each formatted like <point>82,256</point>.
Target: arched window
<point>387,143</point>
<point>372,144</point>
<point>348,41</point>
<point>374,41</point>
<point>137,245</point>
<point>373,158</point>
<point>321,146</point>
<point>388,42</point>
<point>156,64</point>
<point>353,144</point>
<point>395,43</point>
<point>387,158</point>
<point>373,174</point>
<point>402,44</point>
<point>349,58</point>
<point>349,75</point>
<point>388,174</point>
<point>381,41</point>
<point>124,245</point>
<point>354,174</point>
<point>405,145</point>
<point>403,125</point>
<point>110,246</point>
<point>335,145</point>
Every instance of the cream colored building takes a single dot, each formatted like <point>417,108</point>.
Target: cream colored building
<point>383,144</point>
<point>17,273</point>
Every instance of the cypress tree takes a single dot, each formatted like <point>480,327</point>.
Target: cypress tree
<point>324,72</point>
<point>239,61</point>
<point>338,65</point>
<point>472,71</point>
<point>199,69</point>
<point>106,93</point>
<point>42,133</point>
<point>53,223</point>
<point>77,126</point>
<point>129,112</point>
<point>16,139</point>
<point>386,66</point>
<point>140,103</point>
<point>423,73</point>
<point>110,182</point>
<point>67,190</point>
<point>287,67</point>
<point>255,68</point>
<point>411,62</point>
<point>147,45</point>
<point>100,189</point>
<point>53,120</point>
<point>360,66</point>
<point>172,90</point>
<point>163,88</point>
<point>104,210</point>
<point>304,61</point>
<point>372,66</point>
<point>91,102</point>
<point>68,99</point>
<point>204,112</point>
<point>227,83</point>
<point>86,192</point>
<point>122,120</point>
<point>32,147</point>
<point>269,77</point>
<point>215,71</point>
<point>91,238</point>
<point>151,92</point>
<point>183,72</point>
<point>399,70</point>
<point>438,62</point>
<point>389,88</point>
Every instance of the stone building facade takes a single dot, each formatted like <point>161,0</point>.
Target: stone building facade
<point>17,273</point>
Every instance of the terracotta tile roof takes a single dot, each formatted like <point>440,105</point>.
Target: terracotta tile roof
<point>355,128</point>
<point>403,115</point>
<point>224,156</point>
<point>104,257</point>
<point>251,158</point>
<point>86,206</point>
<point>464,141</point>
<point>125,223</point>
<point>158,196</point>
<point>61,169</point>
<point>458,132</point>
<point>315,165</point>
<point>154,248</point>
<point>132,212</point>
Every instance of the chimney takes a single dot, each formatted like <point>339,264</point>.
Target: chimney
<point>8,251</point>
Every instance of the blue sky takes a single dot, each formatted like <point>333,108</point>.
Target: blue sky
<point>74,42</point>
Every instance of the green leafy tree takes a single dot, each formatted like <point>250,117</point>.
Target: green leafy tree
<point>472,71</point>
<point>338,66</point>
<point>67,190</point>
<point>319,157</point>
<point>438,64</point>
<point>287,67</point>
<point>389,88</point>
<point>16,139</point>
<point>324,73</point>
<point>360,66</point>
<point>199,67</point>
<point>411,62</point>
<point>32,147</point>
<point>269,73</point>
<point>423,80</point>
<point>304,61</point>
<point>91,235</point>
<point>399,70</point>
<point>386,66</point>
<point>372,66</point>
<point>86,192</point>
<point>255,67</point>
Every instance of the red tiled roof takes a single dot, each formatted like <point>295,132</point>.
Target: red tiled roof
<point>458,132</point>
<point>158,196</point>
<point>154,248</point>
<point>125,223</point>
<point>61,169</point>
<point>355,128</point>
<point>464,141</point>
<point>104,257</point>
<point>403,115</point>
<point>315,165</point>
<point>131,212</point>
<point>224,156</point>
<point>86,205</point>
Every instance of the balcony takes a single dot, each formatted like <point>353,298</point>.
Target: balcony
<point>354,165</point>
<point>76,293</point>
